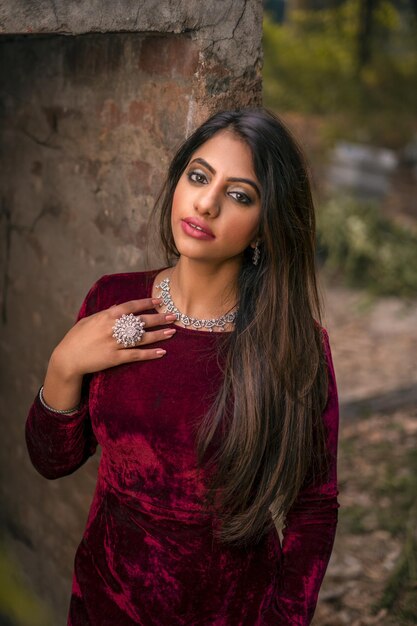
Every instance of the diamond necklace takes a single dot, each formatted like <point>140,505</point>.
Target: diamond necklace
<point>192,321</point>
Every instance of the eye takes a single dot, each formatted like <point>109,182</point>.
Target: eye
<point>197,177</point>
<point>240,197</point>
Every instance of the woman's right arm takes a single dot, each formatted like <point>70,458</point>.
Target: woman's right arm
<point>57,443</point>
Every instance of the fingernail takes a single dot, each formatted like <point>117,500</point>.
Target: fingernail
<point>156,300</point>
<point>171,317</point>
<point>171,331</point>
<point>161,352</point>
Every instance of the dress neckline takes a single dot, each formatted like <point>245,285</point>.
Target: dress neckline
<point>190,331</point>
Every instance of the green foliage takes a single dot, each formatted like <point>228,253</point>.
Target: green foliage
<point>311,66</point>
<point>307,63</point>
<point>367,249</point>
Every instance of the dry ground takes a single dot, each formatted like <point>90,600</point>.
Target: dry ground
<point>372,575</point>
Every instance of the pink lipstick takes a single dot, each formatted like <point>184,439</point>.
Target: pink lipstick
<point>196,229</point>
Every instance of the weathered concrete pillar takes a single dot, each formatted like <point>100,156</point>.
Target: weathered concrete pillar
<point>94,97</point>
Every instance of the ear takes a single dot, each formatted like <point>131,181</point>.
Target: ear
<point>253,243</point>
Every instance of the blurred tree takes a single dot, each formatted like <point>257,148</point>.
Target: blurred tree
<point>277,9</point>
<point>365,28</point>
<point>311,66</point>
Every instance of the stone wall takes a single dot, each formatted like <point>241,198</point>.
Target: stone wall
<point>94,97</point>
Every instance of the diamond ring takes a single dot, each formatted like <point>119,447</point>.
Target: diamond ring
<point>128,330</point>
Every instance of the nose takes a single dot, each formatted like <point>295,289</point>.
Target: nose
<point>207,201</point>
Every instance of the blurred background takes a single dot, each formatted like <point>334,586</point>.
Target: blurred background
<point>343,74</point>
<point>89,125</point>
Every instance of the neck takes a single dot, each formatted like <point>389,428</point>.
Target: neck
<point>204,290</point>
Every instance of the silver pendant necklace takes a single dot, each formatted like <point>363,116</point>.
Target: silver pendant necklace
<point>219,322</point>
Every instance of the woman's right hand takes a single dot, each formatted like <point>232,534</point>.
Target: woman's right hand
<point>90,347</point>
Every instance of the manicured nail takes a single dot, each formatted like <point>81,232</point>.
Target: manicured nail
<point>169,332</point>
<point>156,300</point>
<point>161,352</point>
<point>171,317</point>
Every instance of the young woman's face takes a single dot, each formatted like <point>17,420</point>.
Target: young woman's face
<point>216,205</point>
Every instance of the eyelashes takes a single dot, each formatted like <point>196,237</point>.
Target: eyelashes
<point>198,177</point>
<point>240,197</point>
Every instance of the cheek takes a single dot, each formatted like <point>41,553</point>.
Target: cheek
<point>179,197</point>
<point>245,229</point>
<point>175,207</point>
<point>177,210</point>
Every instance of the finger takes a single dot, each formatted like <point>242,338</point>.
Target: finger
<point>150,337</point>
<point>134,306</point>
<point>158,319</point>
<point>128,355</point>
<point>157,335</point>
<point>152,319</point>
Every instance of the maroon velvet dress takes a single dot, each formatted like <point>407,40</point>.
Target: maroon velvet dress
<point>148,555</point>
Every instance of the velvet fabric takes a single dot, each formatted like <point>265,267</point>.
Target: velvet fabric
<point>148,555</point>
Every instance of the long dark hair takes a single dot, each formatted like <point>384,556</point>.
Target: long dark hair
<point>266,420</point>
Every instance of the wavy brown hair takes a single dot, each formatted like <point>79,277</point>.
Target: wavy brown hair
<point>264,437</point>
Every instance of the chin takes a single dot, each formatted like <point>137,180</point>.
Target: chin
<point>192,256</point>
<point>188,247</point>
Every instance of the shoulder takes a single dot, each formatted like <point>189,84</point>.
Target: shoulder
<point>130,284</point>
<point>112,289</point>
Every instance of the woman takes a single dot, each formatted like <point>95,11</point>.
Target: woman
<point>210,387</point>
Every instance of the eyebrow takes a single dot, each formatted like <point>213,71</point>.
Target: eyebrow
<point>233,179</point>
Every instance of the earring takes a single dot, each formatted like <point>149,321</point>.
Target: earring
<point>256,254</point>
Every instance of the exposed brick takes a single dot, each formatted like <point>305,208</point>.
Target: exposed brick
<point>171,57</point>
<point>140,177</point>
<point>110,115</point>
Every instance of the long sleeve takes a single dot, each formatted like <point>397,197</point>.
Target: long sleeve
<point>59,444</point>
<point>310,529</point>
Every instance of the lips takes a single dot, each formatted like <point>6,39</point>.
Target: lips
<point>198,225</point>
